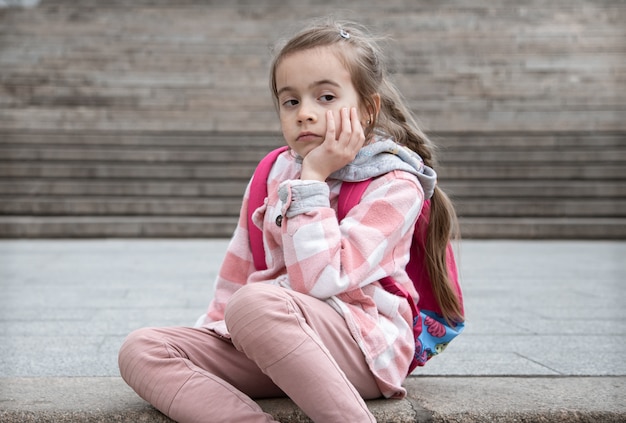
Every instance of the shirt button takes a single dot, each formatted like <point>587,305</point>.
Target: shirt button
<point>279,220</point>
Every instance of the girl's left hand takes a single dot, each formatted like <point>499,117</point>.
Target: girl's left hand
<point>335,152</point>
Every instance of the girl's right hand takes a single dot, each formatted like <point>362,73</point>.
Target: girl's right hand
<point>335,152</point>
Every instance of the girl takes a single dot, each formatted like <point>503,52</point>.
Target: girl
<point>315,325</point>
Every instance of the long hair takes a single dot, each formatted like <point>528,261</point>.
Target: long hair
<point>359,52</point>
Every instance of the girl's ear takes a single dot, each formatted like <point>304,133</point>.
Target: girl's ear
<point>371,110</point>
<point>374,113</point>
<point>376,98</point>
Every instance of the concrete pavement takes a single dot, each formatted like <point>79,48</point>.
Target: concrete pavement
<point>545,338</point>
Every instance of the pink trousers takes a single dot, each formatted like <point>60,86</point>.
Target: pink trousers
<point>282,343</point>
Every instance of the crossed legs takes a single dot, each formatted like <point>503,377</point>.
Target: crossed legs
<point>282,343</point>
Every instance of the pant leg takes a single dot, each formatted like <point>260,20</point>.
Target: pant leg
<point>193,375</point>
<point>299,341</point>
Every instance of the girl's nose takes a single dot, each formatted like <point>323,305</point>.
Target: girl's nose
<point>306,113</point>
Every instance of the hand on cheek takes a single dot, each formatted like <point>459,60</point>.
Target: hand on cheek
<point>335,119</point>
<point>343,140</point>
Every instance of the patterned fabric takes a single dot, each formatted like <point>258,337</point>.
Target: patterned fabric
<point>435,336</point>
<point>307,250</point>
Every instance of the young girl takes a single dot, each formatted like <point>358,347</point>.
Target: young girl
<point>315,325</point>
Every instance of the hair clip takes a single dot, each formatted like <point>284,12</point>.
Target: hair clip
<point>344,34</point>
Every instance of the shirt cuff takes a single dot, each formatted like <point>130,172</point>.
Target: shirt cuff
<point>300,196</point>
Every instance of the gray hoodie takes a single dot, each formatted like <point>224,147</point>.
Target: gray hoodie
<point>384,156</point>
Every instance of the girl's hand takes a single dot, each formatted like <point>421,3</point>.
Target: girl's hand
<point>335,152</point>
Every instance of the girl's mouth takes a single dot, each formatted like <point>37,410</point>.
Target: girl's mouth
<point>307,136</point>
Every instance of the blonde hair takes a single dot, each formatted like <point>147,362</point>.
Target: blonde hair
<point>359,52</point>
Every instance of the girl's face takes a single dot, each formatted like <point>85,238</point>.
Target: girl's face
<point>309,83</point>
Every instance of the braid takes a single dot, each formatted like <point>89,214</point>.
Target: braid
<point>396,120</point>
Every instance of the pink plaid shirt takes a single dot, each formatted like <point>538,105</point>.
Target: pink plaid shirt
<point>337,262</point>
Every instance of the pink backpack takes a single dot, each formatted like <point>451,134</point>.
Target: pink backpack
<point>432,332</point>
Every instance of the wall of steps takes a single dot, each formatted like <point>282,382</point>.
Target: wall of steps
<point>146,119</point>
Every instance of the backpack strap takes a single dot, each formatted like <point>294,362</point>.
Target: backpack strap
<point>256,197</point>
<point>350,195</point>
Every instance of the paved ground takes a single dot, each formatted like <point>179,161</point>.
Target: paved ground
<point>550,312</point>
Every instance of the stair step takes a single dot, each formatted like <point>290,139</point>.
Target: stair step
<point>456,189</point>
<point>472,141</point>
<point>222,227</point>
<point>543,228</point>
<point>173,154</point>
<point>88,188</point>
<point>530,171</point>
<point>142,138</point>
<point>123,206</point>
<point>114,226</point>
<point>208,154</point>
<point>446,141</point>
<point>529,188</point>
<point>553,158</point>
<point>125,171</point>
<point>521,208</point>
<point>120,206</point>
<point>160,171</point>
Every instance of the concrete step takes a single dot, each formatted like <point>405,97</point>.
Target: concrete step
<point>534,188</point>
<point>140,171</point>
<point>457,189</point>
<point>236,154</point>
<point>116,226</point>
<point>429,400</point>
<point>162,171</point>
<point>192,138</point>
<point>222,227</point>
<point>67,306</point>
<point>135,188</point>
<point>533,208</point>
<point>504,185</point>
<point>543,228</point>
<point>120,206</point>
<point>526,140</point>
<point>148,154</point>
<point>532,171</point>
<point>106,399</point>
<point>118,138</point>
<point>208,206</point>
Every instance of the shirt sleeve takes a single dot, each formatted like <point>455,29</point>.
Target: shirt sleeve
<point>236,267</point>
<point>325,257</point>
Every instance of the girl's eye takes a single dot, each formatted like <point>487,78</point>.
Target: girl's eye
<point>327,97</point>
<point>290,102</point>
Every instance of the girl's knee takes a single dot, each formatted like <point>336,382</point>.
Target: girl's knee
<point>254,298</point>
<point>259,306</point>
<point>139,339</point>
<point>137,348</point>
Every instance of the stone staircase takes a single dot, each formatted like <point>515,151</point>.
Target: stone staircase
<point>145,119</point>
<point>121,184</point>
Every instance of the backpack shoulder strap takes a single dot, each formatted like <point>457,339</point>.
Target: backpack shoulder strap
<point>256,197</point>
<point>350,195</point>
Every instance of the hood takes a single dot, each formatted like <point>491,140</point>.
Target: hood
<point>383,156</point>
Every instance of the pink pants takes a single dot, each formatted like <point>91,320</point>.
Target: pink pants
<point>282,343</point>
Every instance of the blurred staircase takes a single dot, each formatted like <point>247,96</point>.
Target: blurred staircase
<point>94,184</point>
<point>125,184</point>
<point>145,119</point>
<point>537,185</point>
